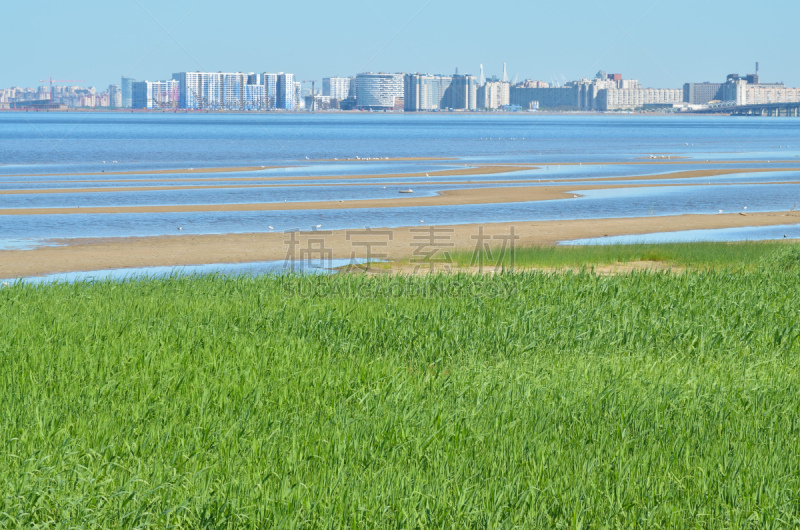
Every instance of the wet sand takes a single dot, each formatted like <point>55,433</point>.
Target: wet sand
<point>112,253</point>
<point>511,194</point>
<point>701,173</point>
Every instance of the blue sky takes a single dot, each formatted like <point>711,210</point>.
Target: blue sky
<point>662,43</point>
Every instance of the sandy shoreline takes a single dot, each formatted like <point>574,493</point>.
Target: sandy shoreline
<point>113,253</point>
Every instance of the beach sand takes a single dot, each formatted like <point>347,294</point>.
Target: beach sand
<point>112,253</point>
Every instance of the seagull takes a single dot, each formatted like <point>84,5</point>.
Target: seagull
<point>720,211</point>
<point>427,175</point>
<point>574,196</point>
<point>421,221</point>
<point>180,228</point>
<point>745,207</point>
<point>271,227</point>
<point>5,284</point>
<point>318,226</point>
<point>104,161</point>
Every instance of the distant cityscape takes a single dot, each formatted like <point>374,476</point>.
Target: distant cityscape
<point>409,92</point>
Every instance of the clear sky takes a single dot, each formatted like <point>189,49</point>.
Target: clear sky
<point>662,43</point>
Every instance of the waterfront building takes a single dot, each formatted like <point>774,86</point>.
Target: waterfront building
<point>762,94</point>
<point>126,88</point>
<point>703,93</point>
<point>423,92</point>
<point>465,92</point>
<point>280,91</point>
<point>155,94</point>
<point>336,87</point>
<point>223,91</point>
<point>114,96</point>
<point>288,92</point>
<point>379,91</point>
<point>270,89</point>
<point>563,98</point>
<point>494,95</point>
<point>617,99</point>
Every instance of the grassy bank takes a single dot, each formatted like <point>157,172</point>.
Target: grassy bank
<point>530,400</point>
<point>702,255</point>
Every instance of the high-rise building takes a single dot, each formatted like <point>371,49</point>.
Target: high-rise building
<point>298,98</point>
<point>222,91</point>
<point>286,92</point>
<point>702,93</point>
<point>270,89</point>
<point>126,87</point>
<point>114,96</point>
<point>432,92</point>
<point>378,91</point>
<point>336,87</point>
<point>155,94</point>
<point>494,95</point>
<point>464,92</point>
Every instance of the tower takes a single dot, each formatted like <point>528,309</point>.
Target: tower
<point>505,73</point>
<point>482,78</point>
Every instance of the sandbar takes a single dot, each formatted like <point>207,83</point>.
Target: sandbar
<point>112,253</point>
<point>508,194</point>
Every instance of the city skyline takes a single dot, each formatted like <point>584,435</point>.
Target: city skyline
<point>663,44</point>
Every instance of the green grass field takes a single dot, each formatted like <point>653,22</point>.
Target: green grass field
<point>698,255</point>
<point>531,400</point>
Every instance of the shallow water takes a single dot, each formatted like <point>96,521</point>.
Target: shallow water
<point>223,269</point>
<point>44,144</point>
<point>751,233</point>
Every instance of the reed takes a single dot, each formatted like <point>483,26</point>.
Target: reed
<point>515,400</point>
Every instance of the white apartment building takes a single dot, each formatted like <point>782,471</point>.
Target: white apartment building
<point>336,87</point>
<point>765,94</point>
<point>155,94</point>
<point>494,95</point>
<point>378,91</point>
<point>616,99</point>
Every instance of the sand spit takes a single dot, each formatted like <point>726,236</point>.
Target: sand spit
<point>510,194</point>
<point>113,253</point>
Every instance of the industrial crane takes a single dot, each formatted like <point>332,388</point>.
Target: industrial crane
<point>59,81</point>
